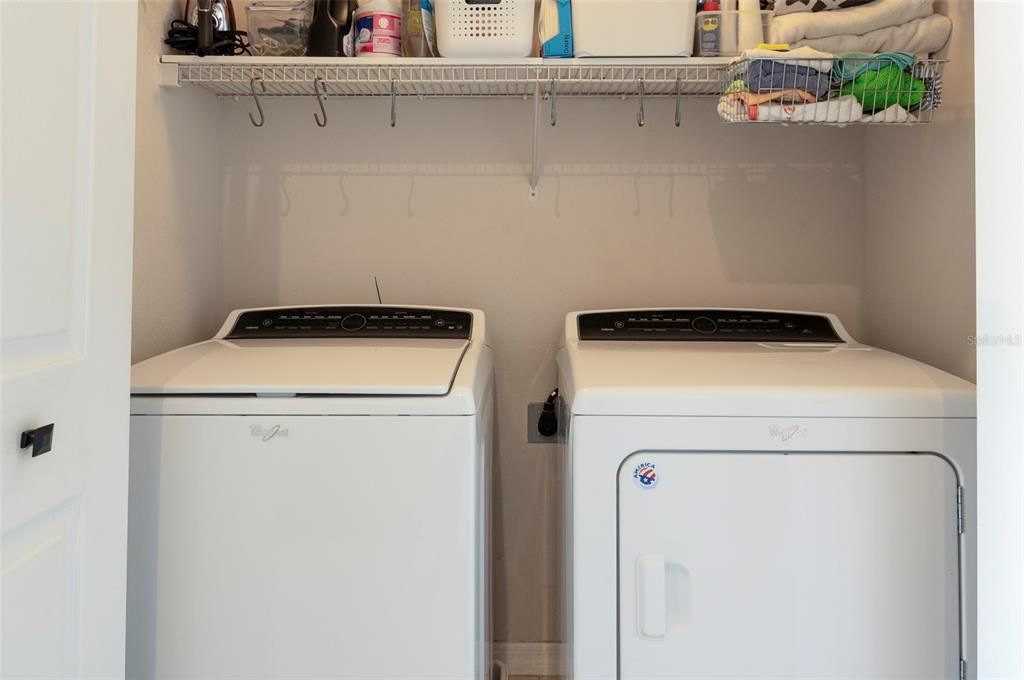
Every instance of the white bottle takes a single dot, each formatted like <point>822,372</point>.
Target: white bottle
<point>378,31</point>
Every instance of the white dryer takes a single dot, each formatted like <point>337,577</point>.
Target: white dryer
<point>309,498</point>
<point>754,494</point>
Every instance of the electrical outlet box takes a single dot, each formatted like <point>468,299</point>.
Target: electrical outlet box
<point>533,435</point>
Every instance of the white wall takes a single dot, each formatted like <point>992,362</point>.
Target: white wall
<point>177,296</point>
<point>1000,185</point>
<point>919,253</point>
<point>437,209</point>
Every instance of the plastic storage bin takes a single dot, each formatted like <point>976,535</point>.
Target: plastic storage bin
<point>638,28</point>
<point>492,28</point>
<point>733,32</point>
<point>279,28</point>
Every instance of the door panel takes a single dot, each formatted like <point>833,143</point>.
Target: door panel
<point>789,566</point>
<point>305,547</point>
<point>67,154</point>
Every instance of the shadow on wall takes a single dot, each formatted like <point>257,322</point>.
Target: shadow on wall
<point>438,210</point>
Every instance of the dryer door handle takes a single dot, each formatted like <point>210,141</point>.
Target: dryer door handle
<point>651,611</point>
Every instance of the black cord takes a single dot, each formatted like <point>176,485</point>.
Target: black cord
<point>184,37</point>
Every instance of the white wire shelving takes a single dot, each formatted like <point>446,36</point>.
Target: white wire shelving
<point>297,76</point>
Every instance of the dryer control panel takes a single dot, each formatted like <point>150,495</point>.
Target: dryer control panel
<point>353,322</point>
<point>707,324</point>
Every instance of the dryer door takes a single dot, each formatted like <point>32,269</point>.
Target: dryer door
<point>768,565</point>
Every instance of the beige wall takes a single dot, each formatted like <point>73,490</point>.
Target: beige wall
<point>437,209</point>
<point>177,296</point>
<point>867,225</point>
<point>919,279</point>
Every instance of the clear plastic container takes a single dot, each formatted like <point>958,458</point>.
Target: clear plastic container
<point>725,34</point>
<point>279,28</point>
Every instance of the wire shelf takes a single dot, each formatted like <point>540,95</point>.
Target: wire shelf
<point>296,77</point>
<point>809,91</point>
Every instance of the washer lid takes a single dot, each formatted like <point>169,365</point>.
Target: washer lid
<point>753,376</point>
<point>304,366</point>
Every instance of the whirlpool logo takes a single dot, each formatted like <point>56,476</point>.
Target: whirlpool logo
<point>264,433</point>
<point>785,433</point>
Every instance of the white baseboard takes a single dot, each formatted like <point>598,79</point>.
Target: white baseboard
<point>531,658</point>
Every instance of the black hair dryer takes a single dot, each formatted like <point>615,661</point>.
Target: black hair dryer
<point>332,21</point>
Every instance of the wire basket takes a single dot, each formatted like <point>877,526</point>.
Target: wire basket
<point>893,89</point>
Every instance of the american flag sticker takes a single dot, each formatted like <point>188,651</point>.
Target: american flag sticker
<point>646,475</point>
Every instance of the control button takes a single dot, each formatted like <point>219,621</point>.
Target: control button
<point>620,324</point>
<point>790,325</point>
<point>703,324</point>
<point>353,322</point>
<point>439,323</point>
<point>268,323</point>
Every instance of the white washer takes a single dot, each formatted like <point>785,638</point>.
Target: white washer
<point>309,498</point>
<point>754,494</point>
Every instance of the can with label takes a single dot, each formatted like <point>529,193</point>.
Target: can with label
<point>378,31</point>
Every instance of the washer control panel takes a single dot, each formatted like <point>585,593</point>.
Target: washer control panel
<point>353,322</point>
<point>707,324</point>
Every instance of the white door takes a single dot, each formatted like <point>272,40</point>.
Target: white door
<point>67,148</point>
<point>811,566</point>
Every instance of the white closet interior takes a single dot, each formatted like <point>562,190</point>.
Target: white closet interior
<point>873,224</point>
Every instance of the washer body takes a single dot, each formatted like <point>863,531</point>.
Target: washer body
<point>754,494</point>
<point>309,498</point>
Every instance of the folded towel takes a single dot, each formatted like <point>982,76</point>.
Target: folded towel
<point>765,75</point>
<point>920,36</point>
<point>893,114</point>
<point>842,110</point>
<point>877,90</point>
<point>849,65</point>
<point>790,6</point>
<point>792,28</point>
<point>802,56</point>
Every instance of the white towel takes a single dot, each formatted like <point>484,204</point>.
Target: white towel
<point>893,114</point>
<point>802,56</point>
<point>920,36</point>
<point>792,28</point>
<point>842,110</point>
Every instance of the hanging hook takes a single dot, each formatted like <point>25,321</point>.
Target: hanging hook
<point>394,104</point>
<point>641,118</point>
<point>554,113</point>
<point>679,105</point>
<point>320,89</point>
<point>256,98</point>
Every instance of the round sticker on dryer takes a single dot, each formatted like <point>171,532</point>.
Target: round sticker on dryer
<point>646,475</point>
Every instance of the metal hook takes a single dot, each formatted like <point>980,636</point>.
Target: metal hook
<point>554,112</point>
<point>394,102</point>
<point>679,105</point>
<point>256,98</point>
<point>320,89</point>
<point>641,118</point>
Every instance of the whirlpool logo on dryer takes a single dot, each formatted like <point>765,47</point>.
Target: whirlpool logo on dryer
<point>785,433</point>
<point>266,433</point>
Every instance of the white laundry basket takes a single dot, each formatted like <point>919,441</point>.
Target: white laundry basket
<point>484,28</point>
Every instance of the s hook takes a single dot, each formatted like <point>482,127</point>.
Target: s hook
<point>320,89</point>
<point>256,98</point>
<point>554,113</point>
<point>641,118</point>
<point>394,104</point>
<point>679,106</point>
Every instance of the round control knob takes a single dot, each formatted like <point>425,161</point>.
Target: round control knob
<point>439,323</point>
<point>703,324</point>
<point>353,322</point>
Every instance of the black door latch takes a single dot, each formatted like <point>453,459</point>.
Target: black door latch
<point>40,439</point>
